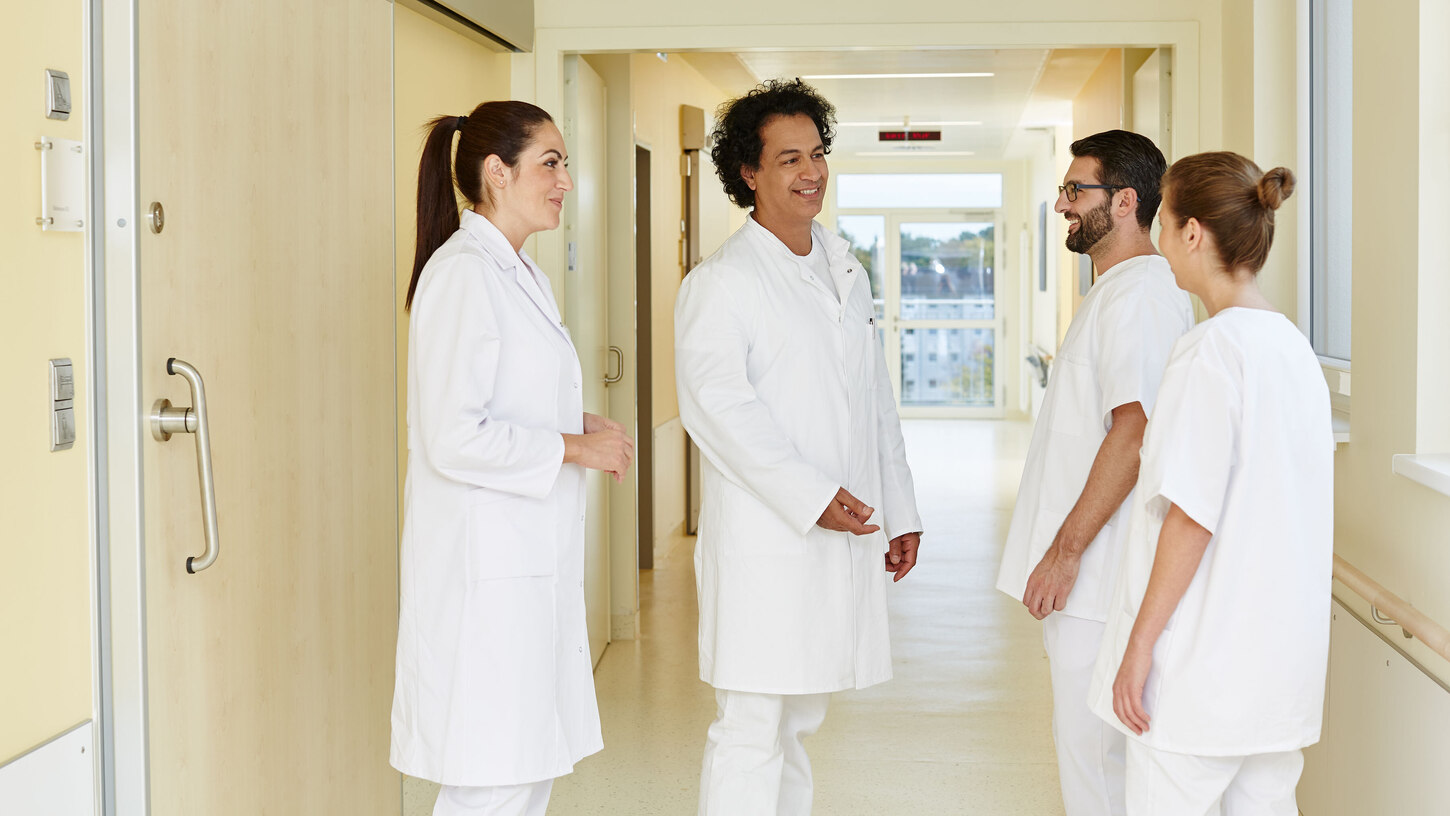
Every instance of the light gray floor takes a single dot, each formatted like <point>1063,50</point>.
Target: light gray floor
<point>964,728</point>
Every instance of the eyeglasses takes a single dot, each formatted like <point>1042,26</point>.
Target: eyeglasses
<point>1071,188</point>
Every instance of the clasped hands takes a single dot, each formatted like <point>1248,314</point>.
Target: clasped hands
<point>848,514</point>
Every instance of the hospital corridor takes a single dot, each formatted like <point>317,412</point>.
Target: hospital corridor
<point>964,726</point>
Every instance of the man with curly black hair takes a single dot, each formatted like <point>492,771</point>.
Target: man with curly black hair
<point>806,490</point>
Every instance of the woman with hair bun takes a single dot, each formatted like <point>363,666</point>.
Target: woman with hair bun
<point>1214,660</point>
<point>495,691</point>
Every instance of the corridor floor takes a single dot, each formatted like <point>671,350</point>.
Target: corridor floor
<point>964,728</point>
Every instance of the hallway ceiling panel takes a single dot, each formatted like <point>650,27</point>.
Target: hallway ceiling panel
<point>997,102</point>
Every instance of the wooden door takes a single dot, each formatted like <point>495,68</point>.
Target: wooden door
<point>586,310</point>
<point>265,131</point>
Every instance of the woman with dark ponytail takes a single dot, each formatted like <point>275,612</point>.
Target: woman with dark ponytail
<point>495,693</point>
<point>1215,659</point>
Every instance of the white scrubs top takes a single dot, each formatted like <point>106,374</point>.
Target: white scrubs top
<point>1241,442</point>
<point>1113,355</point>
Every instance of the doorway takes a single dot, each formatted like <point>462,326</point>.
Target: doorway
<point>643,283</point>
<point>934,281</point>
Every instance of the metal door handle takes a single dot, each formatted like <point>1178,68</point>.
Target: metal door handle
<point>618,353</point>
<point>165,421</point>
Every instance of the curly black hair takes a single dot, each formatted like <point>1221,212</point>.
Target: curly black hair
<point>736,142</point>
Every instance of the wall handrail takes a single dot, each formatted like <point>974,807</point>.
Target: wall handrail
<point>1413,621</point>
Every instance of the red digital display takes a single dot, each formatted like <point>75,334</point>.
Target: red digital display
<point>908,135</point>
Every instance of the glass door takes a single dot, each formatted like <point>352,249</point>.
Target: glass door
<point>933,278</point>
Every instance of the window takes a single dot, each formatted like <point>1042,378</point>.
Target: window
<point>1329,190</point>
<point>917,190</point>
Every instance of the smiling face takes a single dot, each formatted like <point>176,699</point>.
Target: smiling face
<point>532,197</point>
<point>1089,218</point>
<point>790,183</point>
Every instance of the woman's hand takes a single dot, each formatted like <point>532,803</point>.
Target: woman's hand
<point>607,448</point>
<point>1128,688</point>
<point>594,423</point>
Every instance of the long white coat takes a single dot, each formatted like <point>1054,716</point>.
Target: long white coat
<point>494,680</point>
<point>783,385</point>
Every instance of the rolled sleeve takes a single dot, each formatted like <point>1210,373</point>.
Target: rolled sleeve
<point>1189,454</point>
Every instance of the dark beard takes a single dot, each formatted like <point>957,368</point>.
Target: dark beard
<point>1094,226</point>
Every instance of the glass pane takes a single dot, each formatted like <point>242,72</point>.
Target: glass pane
<point>947,367</point>
<point>867,235</point>
<point>946,271</point>
<point>939,190</point>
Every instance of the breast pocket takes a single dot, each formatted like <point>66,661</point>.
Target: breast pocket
<point>1074,399</point>
<point>511,537</point>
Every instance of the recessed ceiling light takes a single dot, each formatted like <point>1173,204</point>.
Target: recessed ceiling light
<point>919,154</point>
<point>913,124</point>
<point>900,76</point>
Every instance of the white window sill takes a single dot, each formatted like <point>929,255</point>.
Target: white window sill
<point>1339,421</point>
<point>1429,469</point>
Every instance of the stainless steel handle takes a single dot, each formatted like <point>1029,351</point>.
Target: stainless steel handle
<point>619,354</point>
<point>165,421</point>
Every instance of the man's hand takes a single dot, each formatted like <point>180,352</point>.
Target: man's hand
<point>1051,582</point>
<point>847,514</point>
<point>902,556</point>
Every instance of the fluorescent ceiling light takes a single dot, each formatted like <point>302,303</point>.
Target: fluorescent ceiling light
<point>899,126</point>
<point>899,76</point>
<point>915,153</point>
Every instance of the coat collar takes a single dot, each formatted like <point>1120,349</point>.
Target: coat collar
<point>845,269</point>
<point>526,273</point>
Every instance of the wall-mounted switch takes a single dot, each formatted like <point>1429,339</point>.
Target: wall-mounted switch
<point>57,94</point>
<point>62,404</point>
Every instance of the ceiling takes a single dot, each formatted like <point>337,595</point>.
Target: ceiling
<point>1027,88</point>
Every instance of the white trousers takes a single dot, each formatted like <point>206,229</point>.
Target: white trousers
<point>496,800</point>
<point>1090,761</point>
<point>1162,782</point>
<point>755,758</point>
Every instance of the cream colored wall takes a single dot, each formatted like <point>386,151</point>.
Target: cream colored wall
<point>435,72</point>
<point>1388,526</point>
<point>45,548</point>
<point>658,90</point>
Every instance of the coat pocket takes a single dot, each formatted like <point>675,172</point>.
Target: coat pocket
<point>511,537</point>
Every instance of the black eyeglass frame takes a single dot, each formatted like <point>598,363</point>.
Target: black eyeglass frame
<point>1072,196</point>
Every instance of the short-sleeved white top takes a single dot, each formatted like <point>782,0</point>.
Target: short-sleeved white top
<point>1113,355</point>
<point>1241,442</point>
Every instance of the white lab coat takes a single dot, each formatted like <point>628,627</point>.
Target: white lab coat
<point>783,385</point>
<point>494,680</point>
<point>1241,442</point>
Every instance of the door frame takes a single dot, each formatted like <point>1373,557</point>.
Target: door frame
<point>117,423</point>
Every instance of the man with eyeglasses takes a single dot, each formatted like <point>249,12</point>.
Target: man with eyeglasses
<point>1062,550</point>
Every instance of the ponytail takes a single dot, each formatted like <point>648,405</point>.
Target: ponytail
<point>437,204</point>
<point>500,129</point>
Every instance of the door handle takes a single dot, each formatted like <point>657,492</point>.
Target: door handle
<point>618,353</point>
<point>167,420</point>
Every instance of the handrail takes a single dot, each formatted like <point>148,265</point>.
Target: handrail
<point>1413,621</point>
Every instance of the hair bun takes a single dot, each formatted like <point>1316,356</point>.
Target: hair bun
<point>1275,186</point>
